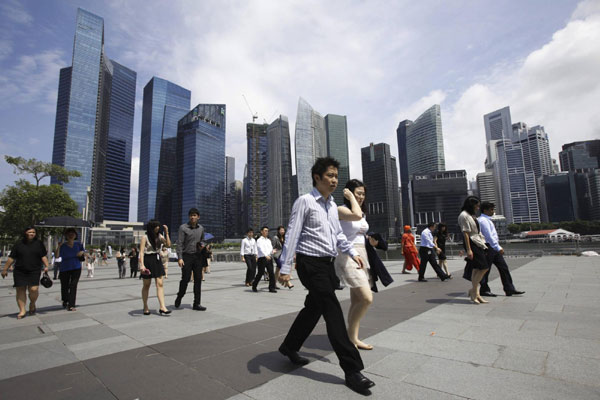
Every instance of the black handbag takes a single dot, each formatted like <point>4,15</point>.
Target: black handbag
<point>81,258</point>
<point>46,281</point>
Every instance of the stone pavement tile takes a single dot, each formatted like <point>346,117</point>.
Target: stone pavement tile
<point>587,328</point>
<point>522,360</point>
<point>67,325</point>
<point>478,353</point>
<point>431,327</point>
<point>583,301</point>
<point>240,396</point>
<point>10,321</point>
<point>144,374</point>
<point>68,382</point>
<point>27,342</point>
<point>259,332</point>
<point>486,383</point>
<point>584,311</point>
<point>62,316</point>
<point>18,334</point>
<point>398,365</point>
<point>540,327</point>
<point>87,334</point>
<point>102,347</point>
<point>156,329</point>
<point>549,307</point>
<point>246,367</point>
<point>574,369</point>
<point>25,359</point>
<point>197,347</point>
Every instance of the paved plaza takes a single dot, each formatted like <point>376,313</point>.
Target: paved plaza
<point>430,342</point>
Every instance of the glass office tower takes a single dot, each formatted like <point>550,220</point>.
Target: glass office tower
<point>257,194</point>
<point>425,143</point>
<point>336,127</point>
<point>164,104</point>
<point>201,167</point>
<point>310,143</point>
<point>280,172</point>
<point>584,155</point>
<point>94,124</point>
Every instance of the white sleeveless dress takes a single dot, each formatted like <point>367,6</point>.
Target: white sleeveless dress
<point>345,268</point>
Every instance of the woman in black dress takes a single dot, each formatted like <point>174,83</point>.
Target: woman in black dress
<point>440,241</point>
<point>29,255</point>
<point>133,261</point>
<point>151,266</point>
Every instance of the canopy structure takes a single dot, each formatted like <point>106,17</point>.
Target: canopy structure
<point>63,222</point>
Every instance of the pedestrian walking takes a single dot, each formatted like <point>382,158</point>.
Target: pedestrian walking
<point>90,261</point>
<point>474,244</point>
<point>72,253</point>
<point>133,261</point>
<point>495,253</point>
<point>29,258</point>
<point>191,234</point>
<point>150,265</point>
<point>249,253</point>
<point>440,242</point>
<point>278,242</point>
<point>314,234</point>
<point>265,260</point>
<point>121,256</point>
<point>409,250</point>
<point>427,253</point>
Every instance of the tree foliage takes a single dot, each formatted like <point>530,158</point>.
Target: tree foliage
<point>40,169</point>
<point>26,204</point>
<point>579,226</point>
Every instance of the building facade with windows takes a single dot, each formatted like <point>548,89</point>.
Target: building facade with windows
<point>310,143</point>
<point>257,194</point>
<point>336,127</point>
<point>279,160</point>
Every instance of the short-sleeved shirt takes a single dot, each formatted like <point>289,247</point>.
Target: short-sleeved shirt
<point>468,224</point>
<point>70,262</point>
<point>28,255</point>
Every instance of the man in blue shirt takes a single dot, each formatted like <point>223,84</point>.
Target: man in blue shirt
<point>427,254</point>
<point>495,253</point>
<point>314,234</point>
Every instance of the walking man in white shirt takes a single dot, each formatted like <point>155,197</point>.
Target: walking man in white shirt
<point>427,254</point>
<point>249,251</point>
<point>265,260</point>
<point>495,253</point>
<point>314,234</point>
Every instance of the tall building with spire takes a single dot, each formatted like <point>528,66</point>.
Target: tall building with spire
<point>94,124</point>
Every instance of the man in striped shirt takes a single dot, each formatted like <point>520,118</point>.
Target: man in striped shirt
<point>314,234</point>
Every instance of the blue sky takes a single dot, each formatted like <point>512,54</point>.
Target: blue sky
<point>378,62</point>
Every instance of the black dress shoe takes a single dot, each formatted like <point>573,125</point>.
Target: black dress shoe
<point>358,382</point>
<point>488,294</point>
<point>294,357</point>
<point>177,302</point>
<point>422,280</point>
<point>272,291</point>
<point>514,292</point>
<point>254,289</point>
<point>164,312</point>
<point>198,308</point>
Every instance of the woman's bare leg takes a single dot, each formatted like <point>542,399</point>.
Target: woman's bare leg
<point>160,293</point>
<point>34,293</point>
<point>360,300</point>
<point>145,291</point>
<point>21,300</point>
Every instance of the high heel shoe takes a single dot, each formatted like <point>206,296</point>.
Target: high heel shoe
<point>147,312</point>
<point>473,297</point>
<point>164,312</point>
<point>481,300</point>
<point>290,286</point>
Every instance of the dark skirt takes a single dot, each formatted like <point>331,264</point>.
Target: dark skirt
<point>156,268</point>
<point>26,278</point>
<point>442,256</point>
<point>479,261</point>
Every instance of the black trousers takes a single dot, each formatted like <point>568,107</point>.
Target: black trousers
<point>250,267</point>
<point>317,274</point>
<point>494,257</point>
<point>133,270</point>
<point>428,255</point>
<point>191,263</point>
<point>262,264</point>
<point>56,269</point>
<point>68,285</point>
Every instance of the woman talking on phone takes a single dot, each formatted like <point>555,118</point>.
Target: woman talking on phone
<point>150,264</point>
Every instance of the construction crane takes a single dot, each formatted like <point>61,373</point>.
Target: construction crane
<point>254,115</point>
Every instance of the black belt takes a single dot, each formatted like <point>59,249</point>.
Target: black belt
<point>189,254</point>
<point>249,255</point>
<point>326,259</point>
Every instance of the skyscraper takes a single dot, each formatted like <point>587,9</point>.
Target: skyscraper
<point>536,149</point>
<point>487,187</point>
<point>230,193</point>
<point>201,167</point>
<point>336,128</point>
<point>380,175</point>
<point>279,159</point>
<point>257,194</point>
<point>565,197</point>
<point>94,124</point>
<point>581,156</point>
<point>420,151</point>
<point>165,103</point>
<point>310,143</point>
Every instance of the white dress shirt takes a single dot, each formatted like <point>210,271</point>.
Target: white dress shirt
<point>265,247</point>
<point>488,230</point>
<point>248,247</point>
<point>427,238</point>
<point>314,230</point>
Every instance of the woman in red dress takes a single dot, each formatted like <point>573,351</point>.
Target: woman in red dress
<point>409,250</point>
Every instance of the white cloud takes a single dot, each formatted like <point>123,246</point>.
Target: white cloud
<point>14,10</point>
<point>32,80</point>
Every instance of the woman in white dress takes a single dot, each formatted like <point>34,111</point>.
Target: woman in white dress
<point>355,227</point>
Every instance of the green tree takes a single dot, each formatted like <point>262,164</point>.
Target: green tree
<point>40,169</point>
<point>26,204</point>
